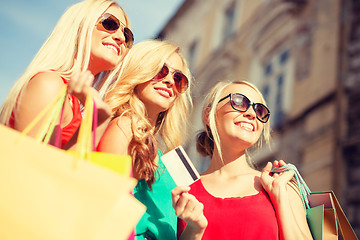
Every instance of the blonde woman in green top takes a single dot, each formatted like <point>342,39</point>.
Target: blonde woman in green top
<point>150,101</point>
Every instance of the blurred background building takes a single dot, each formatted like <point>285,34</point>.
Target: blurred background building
<point>304,55</point>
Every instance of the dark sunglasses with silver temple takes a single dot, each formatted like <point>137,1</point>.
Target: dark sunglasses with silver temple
<point>241,103</point>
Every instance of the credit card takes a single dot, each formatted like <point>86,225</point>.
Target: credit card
<point>180,167</point>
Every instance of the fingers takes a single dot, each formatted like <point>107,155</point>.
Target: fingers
<point>197,217</point>
<point>281,180</point>
<point>183,202</point>
<point>275,183</point>
<point>79,84</point>
<point>190,210</point>
<point>269,180</point>
<point>281,163</point>
<point>180,189</point>
<point>80,80</point>
<point>286,176</point>
<point>265,177</point>
<point>276,163</point>
<point>185,205</point>
<point>267,168</point>
<point>177,192</point>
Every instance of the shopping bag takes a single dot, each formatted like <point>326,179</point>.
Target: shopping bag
<point>43,196</point>
<point>52,116</point>
<point>324,215</point>
<point>332,210</point>
<point>86,146</point>
<point>321,216</point>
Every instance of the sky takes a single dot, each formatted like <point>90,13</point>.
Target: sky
<point>25,25</point>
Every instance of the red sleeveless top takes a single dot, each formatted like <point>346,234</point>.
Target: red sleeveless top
<point>249,217</point>
<point>69,130</point>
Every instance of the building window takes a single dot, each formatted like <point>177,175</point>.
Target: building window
<point>268,69</point>
<point>229,20</point>
<point>276,83</point>
<point>284,57</point>
<point>193,54</point>
<point>265,92</point>
<point>279,92</point>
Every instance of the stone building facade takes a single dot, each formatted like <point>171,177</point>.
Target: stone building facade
<point>350,73</point>
<point>304,55</point>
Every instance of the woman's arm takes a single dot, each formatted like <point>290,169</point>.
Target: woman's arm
<point>41,90</point>
<point>189,209</point>
<point>287,203</point>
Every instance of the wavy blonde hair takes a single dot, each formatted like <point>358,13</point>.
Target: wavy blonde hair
<point>209,138</point>
<point>67,49</point>
<point>141,64</point>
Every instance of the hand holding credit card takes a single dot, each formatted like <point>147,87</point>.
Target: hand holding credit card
<point>180,167</point>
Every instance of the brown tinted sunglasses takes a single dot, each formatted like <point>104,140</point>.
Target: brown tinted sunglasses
<point>181,81</point>
<point>109,23</point>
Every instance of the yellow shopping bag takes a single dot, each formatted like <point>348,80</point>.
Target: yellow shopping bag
<point>86,144</point>
<point>44,197</point>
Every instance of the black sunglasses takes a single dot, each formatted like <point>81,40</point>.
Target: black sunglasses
<point>109,23</point>
<point>241,103</point>
<point>181,81</point>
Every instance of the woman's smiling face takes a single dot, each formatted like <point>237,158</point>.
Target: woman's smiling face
<point>159,95</point>
<point>108,49</point>
<point>234,126</point>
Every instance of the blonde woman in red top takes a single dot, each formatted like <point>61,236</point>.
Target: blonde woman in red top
<point>232,200</point>
<point>89,41</point>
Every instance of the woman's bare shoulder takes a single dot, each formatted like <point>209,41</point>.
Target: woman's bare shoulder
<point>122,124</point>
<point>45,82</point>
<point>117,136</point>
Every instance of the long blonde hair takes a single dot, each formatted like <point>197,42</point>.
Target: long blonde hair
<point>67,49</point>
<point>209,138</point>
<point>141,64</point>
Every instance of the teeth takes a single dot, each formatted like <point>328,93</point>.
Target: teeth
<point>165,92</point>
<point>247,126</point>
<point>112,48</point>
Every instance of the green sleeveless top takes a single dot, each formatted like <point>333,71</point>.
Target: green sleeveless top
<point>159,221</point>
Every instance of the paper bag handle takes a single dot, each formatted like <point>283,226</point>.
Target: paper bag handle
<point>51,114</point>
<point>303,188</point>
<point>86,142</point>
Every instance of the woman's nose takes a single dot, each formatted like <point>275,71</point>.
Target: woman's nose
<point>169,79</point>
<point>119,36</point>
<point>250,113</point>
